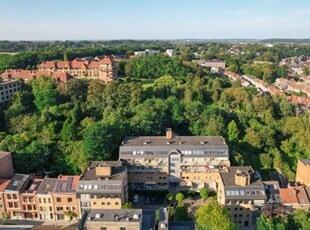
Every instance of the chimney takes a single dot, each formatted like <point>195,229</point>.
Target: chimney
<point>103,170</point>
<point>169,133</point>
<point>242,178</point>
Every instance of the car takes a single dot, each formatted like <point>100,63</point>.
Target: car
<point>147,200</point>
<point>136,198</point>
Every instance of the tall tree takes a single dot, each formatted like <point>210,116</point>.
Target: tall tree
<point>212,217</point>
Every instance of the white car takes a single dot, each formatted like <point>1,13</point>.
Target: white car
<point>136,198</point>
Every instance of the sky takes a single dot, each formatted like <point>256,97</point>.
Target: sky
<point>153,19</point>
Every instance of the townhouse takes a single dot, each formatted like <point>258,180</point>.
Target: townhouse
<point>103,185</point>
<point>11,194</point>
<point>29,201</point>
<point>3,184</point>
<point>173,162</point>
<point>242,193</point>
<point>45,199</point>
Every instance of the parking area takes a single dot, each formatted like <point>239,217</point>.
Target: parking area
<point>150,201</point>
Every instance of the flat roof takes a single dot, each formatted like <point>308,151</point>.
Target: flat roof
<point>18,182</point>
<point>117,173</point>
<point>115,215</point>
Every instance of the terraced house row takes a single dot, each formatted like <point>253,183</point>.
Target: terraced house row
<point>102,68</point>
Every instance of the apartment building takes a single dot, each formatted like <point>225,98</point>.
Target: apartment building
<point>6,165</point>
<point>64,197</point>
<point>11,195</point>
<point>3,184</point>
<point>303,172</point>
<point>173,162</point>
<point>45,199</point>
<point>28,75</point>
<point>242,192</point>
<point>103,69</point>
<point>29,201</point>
<point>117,219</point>
<point>103,185</point>
<point>7,89</point>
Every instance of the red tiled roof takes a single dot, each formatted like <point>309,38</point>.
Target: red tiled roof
<point>47,64</point>
<point>295,195</point>
<point>94,65</point>
<point>107,60</point>
<point>299,100</point>
<point>63,64</point>
<point>76,64</point>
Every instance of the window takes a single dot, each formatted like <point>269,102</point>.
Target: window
<point>58,199</point>
<point>108,203</point>
<point>103,228</point>
<point>59,208</point>
<point>122,228</point>
<point>116,203</point>
<point>69,200</point>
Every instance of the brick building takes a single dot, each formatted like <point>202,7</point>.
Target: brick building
<point>303,172</point>
<point>103,185</point>
<point>242,192</point>
<point>103,69</point>
<point>29,201</point>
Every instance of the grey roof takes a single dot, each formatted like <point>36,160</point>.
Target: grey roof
<point>228,177</point>
<point>254,190</point>
<point>33,186</point>
<point>272,191</point>
<point>18,182</point>
<point>174,141</point>
<point>161,146</point>
<point>305,161</point>
<point>115,215</point>
<point>118,171</point>
<point>47,186</point>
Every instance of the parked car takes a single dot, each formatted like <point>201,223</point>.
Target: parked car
<point>136,198</point>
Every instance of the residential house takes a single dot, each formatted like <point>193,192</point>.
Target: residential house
<point>3,184</point>
<point>29,201</point>
<point>242,193</point>
<point>12,195</point>
<point>103,185</point>
<point>64,197</point>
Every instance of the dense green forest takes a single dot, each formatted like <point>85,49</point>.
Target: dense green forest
<point>60,127</point>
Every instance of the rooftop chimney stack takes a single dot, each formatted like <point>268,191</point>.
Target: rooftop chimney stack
<point>103,170</point>
<point>242,178</point>
<point>169,133</point>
